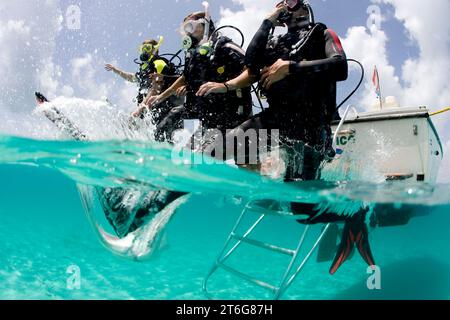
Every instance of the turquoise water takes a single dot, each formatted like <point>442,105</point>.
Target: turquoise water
<point>44,231</point>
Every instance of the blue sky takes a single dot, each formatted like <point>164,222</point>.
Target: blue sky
<point>112,30</point>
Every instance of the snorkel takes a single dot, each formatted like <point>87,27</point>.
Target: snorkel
<point>207,22</point>
<point>156,48</point>
<point>312,19</point>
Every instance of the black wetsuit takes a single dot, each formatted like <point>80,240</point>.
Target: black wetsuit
<point>218,61</point>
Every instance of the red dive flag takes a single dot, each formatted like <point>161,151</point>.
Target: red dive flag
<point>376,82</point>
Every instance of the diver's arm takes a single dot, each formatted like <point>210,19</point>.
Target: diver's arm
<point>150,101</point>
<point>244,80</point>
<point>254,58</point>
<point>125,75</point>
<point>335,63</point>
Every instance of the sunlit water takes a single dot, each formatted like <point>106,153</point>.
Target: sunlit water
<point>44,231</point>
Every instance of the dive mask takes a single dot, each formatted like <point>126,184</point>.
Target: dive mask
<point>190,26</point>
<point>188,30</point>
<point>147,50</point>
<point>292,6</point>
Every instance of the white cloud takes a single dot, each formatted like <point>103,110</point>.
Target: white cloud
<point>27,35</point>
<point>84,75</point>
<point>85,72</point>
<point>126,95</point>
<point>369,47</point>
<point>427,26</point>
<point>248,19</point>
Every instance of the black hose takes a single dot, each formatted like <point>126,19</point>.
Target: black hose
<point>231,27</point>
<point>312,20</point>
<point>174,55</point>
<point>255,91</point>
<point>357,87</point>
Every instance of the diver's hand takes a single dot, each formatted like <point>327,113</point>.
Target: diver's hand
<point>276,72</point>
<point>139,112</point>
<point>181,91</point>
<point>152,101</point>
<point>273,17</point>
<point>210,88</point>
<point>110,67</point>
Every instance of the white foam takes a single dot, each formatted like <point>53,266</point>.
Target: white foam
<point>99,120</point>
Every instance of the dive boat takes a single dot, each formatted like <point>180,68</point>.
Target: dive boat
<point>401,142</point>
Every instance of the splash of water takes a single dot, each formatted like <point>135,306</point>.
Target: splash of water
<point>99,120</point>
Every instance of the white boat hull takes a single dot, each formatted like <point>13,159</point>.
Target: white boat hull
<point>396,144</point>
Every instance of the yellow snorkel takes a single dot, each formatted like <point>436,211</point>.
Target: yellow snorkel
<point>148,52</point>
<point>161,41</point>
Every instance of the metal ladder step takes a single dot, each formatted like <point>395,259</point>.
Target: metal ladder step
<point>248,278</point>
<point>290,273</point>
<point>264,245</point>
<point>278,213</point>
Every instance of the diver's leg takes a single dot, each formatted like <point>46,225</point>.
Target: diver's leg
<point>229,142</point>
<point>170,123</point>
<point>119,207</point>
<point>153,203</point>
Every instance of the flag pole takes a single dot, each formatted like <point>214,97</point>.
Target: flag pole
<point>380,96</point>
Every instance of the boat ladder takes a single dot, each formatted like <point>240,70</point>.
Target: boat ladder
<point>235,240</point>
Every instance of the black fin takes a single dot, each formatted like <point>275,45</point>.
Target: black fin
<point>355,233</point>
<point>328,245</point>
<point>40,98</point>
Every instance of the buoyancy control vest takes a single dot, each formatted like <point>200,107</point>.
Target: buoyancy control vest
<point>219,60</point>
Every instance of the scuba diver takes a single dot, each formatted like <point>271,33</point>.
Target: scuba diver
<point>298,73</point>
<point>156,74</point>
<point>209,57</point>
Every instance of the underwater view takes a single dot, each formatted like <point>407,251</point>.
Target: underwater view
<point>235,167</point>
<point>45,233</point>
